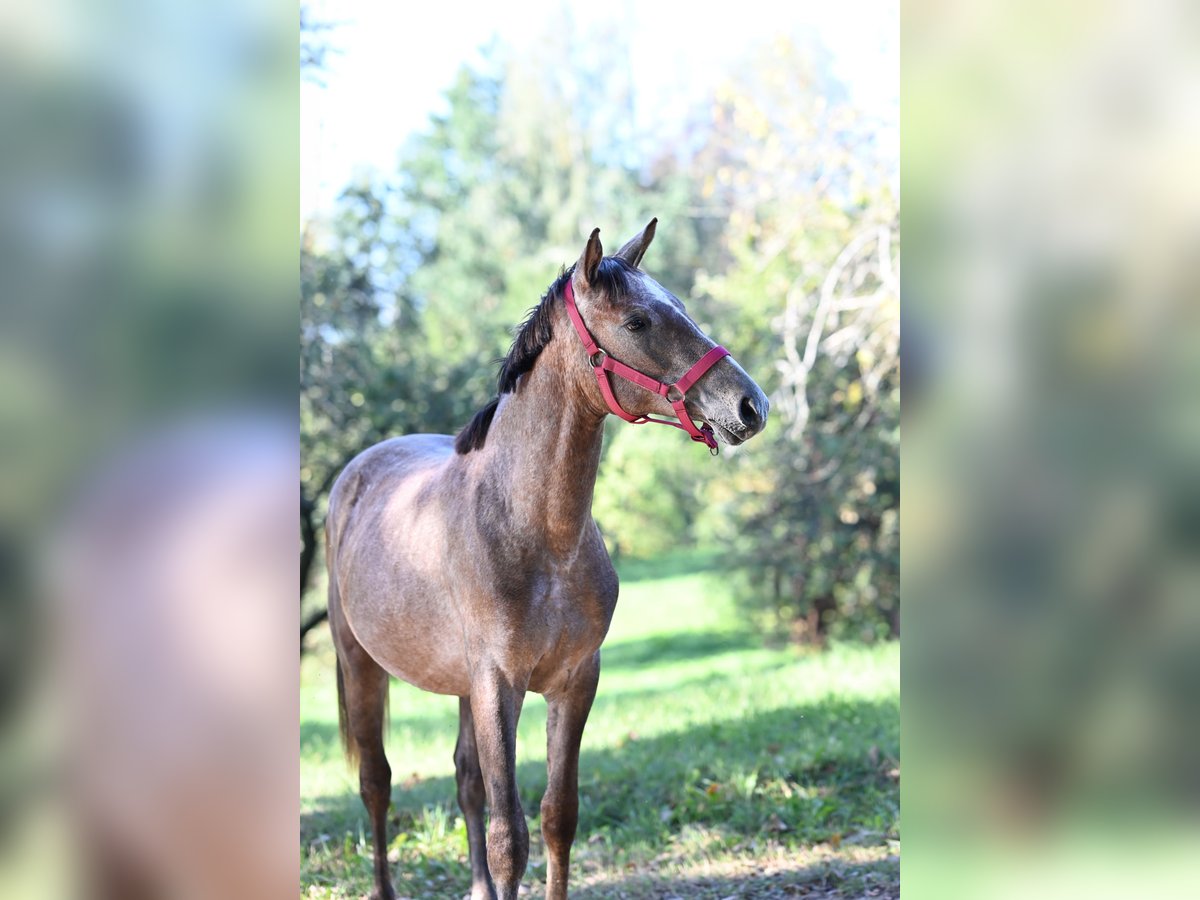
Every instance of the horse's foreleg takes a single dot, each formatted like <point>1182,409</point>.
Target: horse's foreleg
<point>495,709</point>
<point>567,714</point>
<point>470,800</point>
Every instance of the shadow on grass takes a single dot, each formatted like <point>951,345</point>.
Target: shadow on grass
<point>791,777</point>
<point>878,879</point>
<point>675,647</point>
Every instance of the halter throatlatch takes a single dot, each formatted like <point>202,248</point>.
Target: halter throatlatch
<point>602,364</point>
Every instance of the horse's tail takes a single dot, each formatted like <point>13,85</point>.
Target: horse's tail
<point>349,746</point>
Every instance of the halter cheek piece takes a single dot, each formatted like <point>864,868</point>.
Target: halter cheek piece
<point>602,364</point>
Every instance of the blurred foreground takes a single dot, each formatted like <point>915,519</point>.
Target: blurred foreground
<point>147,467</point>
<point>1052,429</point>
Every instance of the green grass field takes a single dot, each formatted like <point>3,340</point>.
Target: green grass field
<point>712,767</point>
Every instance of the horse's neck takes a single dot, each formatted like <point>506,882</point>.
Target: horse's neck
<point>547,445</point>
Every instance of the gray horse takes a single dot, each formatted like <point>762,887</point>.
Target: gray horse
<point>473,567</point>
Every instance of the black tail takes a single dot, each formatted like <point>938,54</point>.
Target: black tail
<point>349,745</point>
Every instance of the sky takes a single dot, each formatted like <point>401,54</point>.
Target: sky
<point>395,59</point>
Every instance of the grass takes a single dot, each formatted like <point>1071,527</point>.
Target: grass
<point>711,766</point>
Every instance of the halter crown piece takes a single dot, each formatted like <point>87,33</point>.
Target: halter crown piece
<point>603,364</point>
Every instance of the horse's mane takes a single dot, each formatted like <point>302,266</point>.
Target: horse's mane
<point>532,337</point>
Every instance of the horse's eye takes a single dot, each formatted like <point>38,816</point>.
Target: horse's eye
<point>637,323</point>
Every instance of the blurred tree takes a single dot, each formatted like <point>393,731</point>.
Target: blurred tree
<point>315,46</point>
<point>360,357</point>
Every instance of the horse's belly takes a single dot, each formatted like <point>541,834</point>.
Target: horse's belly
<point>417,641</point>
<point>440,675</point>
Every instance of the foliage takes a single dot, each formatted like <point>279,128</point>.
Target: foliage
<point>821,551</point>
<point>315,45</point>
<point>649,492</point>
<point>704,753</point>
<point>810,246</point>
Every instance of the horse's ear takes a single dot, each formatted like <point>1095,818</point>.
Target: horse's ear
<point>633,251</point>
<point>589,262</point>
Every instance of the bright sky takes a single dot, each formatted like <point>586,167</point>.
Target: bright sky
<point>397,58</point>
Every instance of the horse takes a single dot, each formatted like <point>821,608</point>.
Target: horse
<point>471,566</point>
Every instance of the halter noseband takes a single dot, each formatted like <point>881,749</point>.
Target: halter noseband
<point>602,364</point>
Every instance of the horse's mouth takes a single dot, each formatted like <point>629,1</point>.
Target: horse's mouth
<point>726,435</point>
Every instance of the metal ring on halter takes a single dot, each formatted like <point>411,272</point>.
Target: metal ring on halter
<point>597,359</point>
<point>678,393</point>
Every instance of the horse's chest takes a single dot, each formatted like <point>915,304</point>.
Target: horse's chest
<point>568,616</point>
<point>561,627</point>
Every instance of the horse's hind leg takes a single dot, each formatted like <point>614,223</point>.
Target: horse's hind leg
<point>470,800</point>
<point>362,701</point>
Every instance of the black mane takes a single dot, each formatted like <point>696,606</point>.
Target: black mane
<point>535,333</point>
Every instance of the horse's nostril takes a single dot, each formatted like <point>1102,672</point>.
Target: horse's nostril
<point>751,416</point>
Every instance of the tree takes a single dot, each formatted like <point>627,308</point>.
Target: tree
<point>809,251</point>
<point>315,46</point>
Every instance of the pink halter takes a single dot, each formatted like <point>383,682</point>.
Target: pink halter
<point>602,364</point>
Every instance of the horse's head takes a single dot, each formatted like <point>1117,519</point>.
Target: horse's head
<point>641,324</point>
